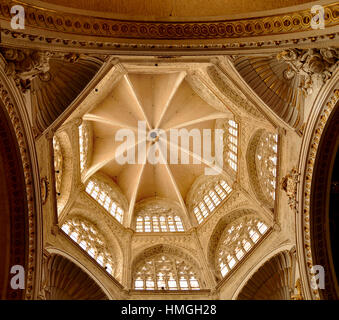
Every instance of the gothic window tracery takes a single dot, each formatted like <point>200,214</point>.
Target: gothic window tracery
<point>89,239</point>
<point>165,272</point>
<point>232,145</point>
<point>236,241</point>
<point>159,223</point>
<point>212,200</point>
<point>101,193</point>
<point>83,145</point>
<point>266,162</point>
<point>58,164</point>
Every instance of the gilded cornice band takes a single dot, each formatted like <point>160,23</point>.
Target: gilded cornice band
<point>76,24</point>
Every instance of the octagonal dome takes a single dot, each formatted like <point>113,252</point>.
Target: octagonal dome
<point>138,137</point>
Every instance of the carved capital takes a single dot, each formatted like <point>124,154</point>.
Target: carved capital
<point>26,64</point>
<point>309,64</point>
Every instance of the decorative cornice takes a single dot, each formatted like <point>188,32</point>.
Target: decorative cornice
<point>76,24</point>
<point>31,40</point>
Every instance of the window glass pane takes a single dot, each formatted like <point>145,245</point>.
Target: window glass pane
<point>90,240</point>
<point>232,263</point>
<point>103,198</point>
<point>164,270</point>
<point>241,236</point>
<point>139,284</point>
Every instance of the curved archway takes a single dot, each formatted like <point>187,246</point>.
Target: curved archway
<point>171,269</point>
<point>58,252</point>
<point>272,281</point>
<point>14,212</point>
<point>323,212</point>
<point>90,238</point>
<point>159,215</point>
<point>262,166</point>
<point>66,281</point>
<point>230,226</point>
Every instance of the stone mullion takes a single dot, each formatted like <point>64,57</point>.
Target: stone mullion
<point>151,222</point>
<point>250,240</point>
<point>207,208</point>
<point>176,273</point>
<point>155,277</point>
<point>212,202</point>
<point>188,281</point>
<point>127,268</point>
<point>141,223</point>
<point>174,224</point>
<point>259,233</point>
<point>217,194</point>
<point>235,257</point>
<point>167,224</point>
<point>166,277</point>
<point>203,217</point>
<point>144,278</point>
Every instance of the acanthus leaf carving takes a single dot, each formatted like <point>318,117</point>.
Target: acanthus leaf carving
<point>26,64</point>
<point>310,64</point>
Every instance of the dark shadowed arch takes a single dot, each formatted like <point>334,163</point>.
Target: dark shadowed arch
<point>13,208</point>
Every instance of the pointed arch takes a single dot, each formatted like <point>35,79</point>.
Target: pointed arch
<point>90,239</point>
<point>234,236</point>
<point>164,267</point>
<point>262,158</point>
<point>274,280</point>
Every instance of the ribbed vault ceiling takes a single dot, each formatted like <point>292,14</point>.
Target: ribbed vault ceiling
<point>161,101</point>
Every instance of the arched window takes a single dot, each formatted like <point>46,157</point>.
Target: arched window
<point>232,145</point>
<point>165,272</point>
<point>90,240</point>
<point>58,164</point>
<point>101,193</point>
<point>266,162</point>
<point>212,200</point>
<point>236,241</point>
<point>159,223</point>
<point>83,145</point>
